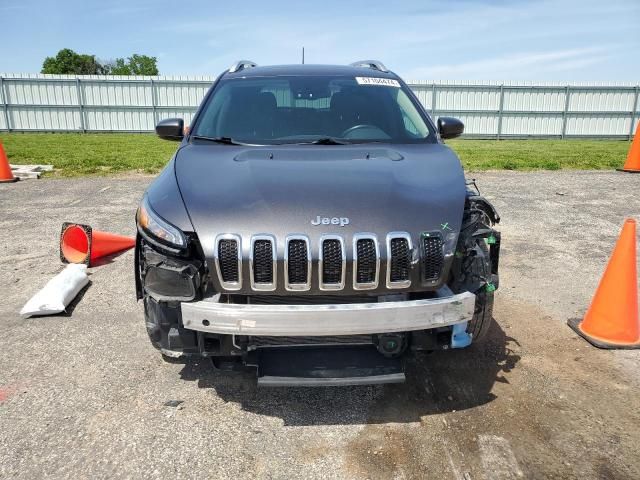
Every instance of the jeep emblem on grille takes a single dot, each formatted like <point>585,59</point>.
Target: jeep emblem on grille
<point>342,221</point>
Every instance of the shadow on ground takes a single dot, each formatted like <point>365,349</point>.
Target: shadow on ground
<point>107,259</point>
<point>436,383</point>
<point>68,312</point>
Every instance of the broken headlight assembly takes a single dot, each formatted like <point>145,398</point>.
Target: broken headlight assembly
<point>158,229</point>
<point>166,264</point>
<point>167,278</point>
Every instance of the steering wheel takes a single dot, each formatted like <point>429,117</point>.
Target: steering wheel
<point>355,128</point>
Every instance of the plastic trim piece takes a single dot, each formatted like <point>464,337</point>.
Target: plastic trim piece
<point>373,64</point>
<point>367,285</point>
<point>318,320</point>
<point>423,258</point>
<point>330,382</point>
<point>228,285</point>
<point>297,287</point>
<point>459,336</point>
<point>241,65</point>
<point>407,237</point>
<point>331,286</point>
<point>264,287</point>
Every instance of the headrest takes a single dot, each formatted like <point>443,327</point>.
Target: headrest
<point>267,100</point>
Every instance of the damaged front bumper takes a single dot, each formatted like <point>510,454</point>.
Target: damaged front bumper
<point>211,316</point>
<point>184,318</point>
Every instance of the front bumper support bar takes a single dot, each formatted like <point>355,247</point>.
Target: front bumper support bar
<point>319,320</point>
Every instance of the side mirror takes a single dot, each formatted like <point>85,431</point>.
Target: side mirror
<point>170,129</point>
<point>450,127</point>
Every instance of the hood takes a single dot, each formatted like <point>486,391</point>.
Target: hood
<point>282,190</point>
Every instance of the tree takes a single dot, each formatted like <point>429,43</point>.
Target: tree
<point>69,62</point>
<point>134,65</point>
<point>118,67</point>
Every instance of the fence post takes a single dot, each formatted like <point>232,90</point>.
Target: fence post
<point>634,112</point>
<point>80,105</point>
<point>433,100</point>
<point>154,103</point>
<point>567,95</point>
<point>5,104</point>
<point>500,109</point>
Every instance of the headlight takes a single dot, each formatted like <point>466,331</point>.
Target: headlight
<point>159,229</point>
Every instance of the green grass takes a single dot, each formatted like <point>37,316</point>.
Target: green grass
<point>75,154</point>
<point>99,154</point>
<point>540,154</point>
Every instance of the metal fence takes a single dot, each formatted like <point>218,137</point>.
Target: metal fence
<point>56,103</point>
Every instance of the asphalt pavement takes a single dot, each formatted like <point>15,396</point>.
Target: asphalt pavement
<point>84,394</point>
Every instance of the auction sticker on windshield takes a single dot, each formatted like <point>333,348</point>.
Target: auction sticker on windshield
<point>383,82</point>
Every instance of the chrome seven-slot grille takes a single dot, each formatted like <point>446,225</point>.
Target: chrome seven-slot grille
<point>331,261</point>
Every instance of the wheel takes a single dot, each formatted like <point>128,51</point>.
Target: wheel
<point>483,313</point>
<point>472,271</point>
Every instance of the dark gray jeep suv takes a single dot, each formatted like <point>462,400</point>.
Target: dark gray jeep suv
<point>312,225</point>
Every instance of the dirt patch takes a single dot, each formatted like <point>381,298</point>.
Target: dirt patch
<point>556,405</point>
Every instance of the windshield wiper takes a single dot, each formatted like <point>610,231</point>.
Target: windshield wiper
<point>223,140</point>
<point>327,141</point>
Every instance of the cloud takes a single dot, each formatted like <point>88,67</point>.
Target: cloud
<point>458,39</point>
<point>408,37</point>
<point>511,65</point>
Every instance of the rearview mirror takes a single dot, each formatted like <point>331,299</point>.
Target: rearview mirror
<point>170,129</point>
<point>450,127</point>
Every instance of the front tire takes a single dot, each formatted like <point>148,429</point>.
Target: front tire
<point>483,313</point>
<point>472,269</point>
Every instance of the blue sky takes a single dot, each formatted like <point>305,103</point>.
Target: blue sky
<point>540,40</point>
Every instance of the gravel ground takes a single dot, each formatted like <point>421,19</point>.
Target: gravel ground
<point>85,395</point>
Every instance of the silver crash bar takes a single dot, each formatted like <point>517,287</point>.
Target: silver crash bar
<point>319,320</point>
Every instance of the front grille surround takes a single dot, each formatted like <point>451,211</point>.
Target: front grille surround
<point>235,284</point>
<point>365,285</point>
<point>297,286</point>
<point>404,263</point>
<point>323,284</point>
<point>256,284</point>
<point>404,283</point>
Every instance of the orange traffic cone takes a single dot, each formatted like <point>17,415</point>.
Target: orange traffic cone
<point>612,319</point>
<point>5,169</point>
<point>81,244</point>
<point>632,165</point>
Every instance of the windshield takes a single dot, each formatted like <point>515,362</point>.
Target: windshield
<point>312,109</point>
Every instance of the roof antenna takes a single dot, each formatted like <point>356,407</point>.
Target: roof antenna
<point>303,55</point>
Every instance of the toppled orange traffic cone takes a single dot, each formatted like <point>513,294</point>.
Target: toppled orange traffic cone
<point>612,319</point>
<point>81,244</point>
<point>5,169</point>
<point>632,165</point>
